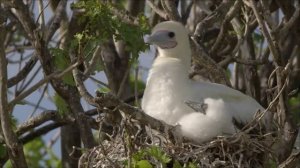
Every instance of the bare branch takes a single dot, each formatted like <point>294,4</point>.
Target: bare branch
<point>15,149</point>
<point>291,161</point>
<point>274,48</point>
<point>58,16</point>
<point>40,83</point>
<point>155,8</point>
<point>171,9</point>
<point>108,100</point>
<point>39,120</point>
<point>229,16</point>
<point>202,58</point>
<point>23,73</point>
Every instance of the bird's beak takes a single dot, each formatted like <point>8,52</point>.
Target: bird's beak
<point>161,39</point>
<point>158,37</point>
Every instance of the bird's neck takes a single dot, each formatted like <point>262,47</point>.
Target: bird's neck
<point>179,57</point>
<point>171,68</point>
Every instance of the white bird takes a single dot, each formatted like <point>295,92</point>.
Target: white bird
<point>168,87</point>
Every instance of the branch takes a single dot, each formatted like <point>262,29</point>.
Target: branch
<point>233,11</point>
<point>274,48</point>
<point>54,75</point>
<point>58,16</point>
<point>109,100</point>
<point>15,149</point>
<point>200,57</point>
<point>81,88</point>
<point>22,73</point>
<point>125,16</point>
<point>171,9</point>
<point>218,15</point>
<point>41,119</point>
<point>291,161</point>
<point>20,10</point>
<point>40,131</point>
<point>157,10</point>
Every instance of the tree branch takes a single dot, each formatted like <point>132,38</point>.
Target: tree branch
<point>171,9</point>
<point>157,10</point>
<point>109,100</point>
<point>200,57</point>
<point>22,73</point>
<point>291,161</point>
<point>15,149</point>
<point>40,83</point>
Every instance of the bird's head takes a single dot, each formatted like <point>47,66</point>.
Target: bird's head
<point>171,39</point>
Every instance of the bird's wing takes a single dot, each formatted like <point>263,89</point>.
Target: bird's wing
<point>214,90</point>
<point>242,107</point>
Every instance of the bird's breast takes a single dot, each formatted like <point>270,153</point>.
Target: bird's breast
<point>164,96</point>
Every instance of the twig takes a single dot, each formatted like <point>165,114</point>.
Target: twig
<point>122,84</point>
<point>233,11</point>
<point>292,21</point>
<point>94,61</point>
<point>22,73</point>
<point>38,102</point>
<point>55,22</point>
<point>41,17</point>
<point>98,82</point>
<point>202,58</point>
<point>108,100</point>
<point>40,83</point>
<point>39,120</point>
<point>81,88</point>
<point>211,19</point>
<point>40,131</point>
<point>155,8</point>
<point>171,9</point>
<point>136,86</point>
<point>291,161</point>
<point>274,49</point>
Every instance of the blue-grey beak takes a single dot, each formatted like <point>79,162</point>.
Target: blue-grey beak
<point>162,39</point>
<point>158,37</point>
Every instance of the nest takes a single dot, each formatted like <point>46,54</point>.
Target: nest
<point>129,146</point>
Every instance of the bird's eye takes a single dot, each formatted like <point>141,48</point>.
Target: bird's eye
<point>171,34</point>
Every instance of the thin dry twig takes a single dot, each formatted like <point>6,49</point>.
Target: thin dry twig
<point>42,82</point>
<point>155,8</point>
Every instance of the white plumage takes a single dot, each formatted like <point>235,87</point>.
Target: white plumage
<point>168,87</point>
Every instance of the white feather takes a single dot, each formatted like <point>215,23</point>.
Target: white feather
<point>168,87</point>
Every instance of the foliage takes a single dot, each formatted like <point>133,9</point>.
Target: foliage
<point>294,104</point>
<point>35,152</point>
<point>61,61</point>
<point>61,105</point>
<point>154,155</point>
<point>2,151</point>
<point>141,159</point>
<point>140,84</point>
<point>102,24</point>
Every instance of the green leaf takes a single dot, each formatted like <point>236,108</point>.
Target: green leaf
<point>191,165</point>
<point>102,24</point>
<point>140,84</point>
<point>2,151</point>
<point>158,154</point>
<point>176,164</point>
<point>143,164</point>
<point>61,105</point>
<point>35,157</point>
<point>61,62</point>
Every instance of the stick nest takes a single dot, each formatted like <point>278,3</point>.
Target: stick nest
<point>130,139</point>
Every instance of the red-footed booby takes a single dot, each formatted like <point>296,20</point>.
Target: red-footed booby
<point>169,87</point>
